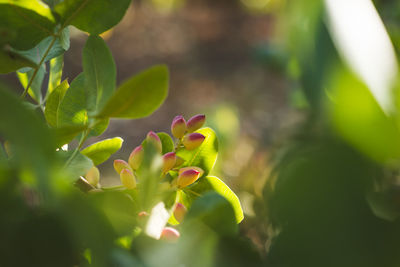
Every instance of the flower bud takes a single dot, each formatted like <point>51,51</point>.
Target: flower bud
<point>143,214</point>
<point>195,122</point>
<point>200,170</point>
<point>169,160</point>
<point>153,138</point>
<point>169,234</point>
<point>179,161</point>
<point>136,157</point>
<point>120,164</point>
<point>127,179</point>
<point>187,177</point>
<point>193,140</point>
<point>93,176</point>
<point>178,127</point>
<point>179,211</point>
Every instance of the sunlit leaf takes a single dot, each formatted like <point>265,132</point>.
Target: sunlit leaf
<point>102,150</point>
<point>35,88</point>
<point>53,103</point>
<point>166,141</point>
<point>205,155</point>
<point>55,72</point>
<point>139,96</point>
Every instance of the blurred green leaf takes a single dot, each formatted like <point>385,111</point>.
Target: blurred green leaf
<point>102,150</point>
<point>212,183</point>
<point>205,155</point>
<point>99,127</point>
<point>53,103</point>
<point>72,109</point>
<point>166,141</point>
<point>359,119</point>
<point>29,21</point>
<point>55,73</point>
<point>140,96</point>
<point>11,61</point>
<point>78,166</point>
<point>100,72</point>
<point>214,211</point>
<point>93,16</point>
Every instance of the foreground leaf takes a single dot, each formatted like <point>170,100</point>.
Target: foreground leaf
<point>53,103</point>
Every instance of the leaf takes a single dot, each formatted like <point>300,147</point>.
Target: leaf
<point>212,183</point>
<point>99,127</point>
<point>102,150</point>
<point>166,141</point>
<point>140,96</point>
<point>11,61</point>
<point>78,166</point>
<point>29,21</point>
<point>214,211</point>
<point>55,75</point>
<point>72,110</point>
<point>53,103</point>
<point>93,16</point>
<point>100,72</point>
<point>35,89</point>
<point>66,134</point>
<point>205,155</point>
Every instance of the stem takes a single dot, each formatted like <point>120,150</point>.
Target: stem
<point>39,66</point>
<point>194,193</point>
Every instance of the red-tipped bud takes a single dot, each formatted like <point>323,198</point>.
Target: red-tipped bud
<point>187,177</point>
<point>179,161</point>
<point>153,138</point>
<point>193,140</point>
<point>179,211</point>
<point>136,157</point>
<point>120,164</point>
<point>178,127</point>
<point>200,170</point>
<point>143,214</point>
<point>93,176</point>
<point>169,160</point>
<point>195,122</point>
<point>169,234</point>
<point>127,179</point>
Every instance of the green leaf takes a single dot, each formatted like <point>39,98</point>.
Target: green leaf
<point>53,103</point>
<point>99,127</point>
<point>35,89</point>
<point>140,96</point>
<point>214,211</point>
<point>212,183</point>
<point>28,22</point>
<point>100,72</point>
<point>166,141</point>
<point>102,150</point>
<point>66,134</point>
<point>205,155</point>
<point>55,75</point>
<point>78,166</point>
<point>11,61</point>
<point>72,110</point>
<point>93,16</point>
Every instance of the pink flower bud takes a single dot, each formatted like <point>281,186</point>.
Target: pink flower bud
<point>178,127</point>
<point>153,138</point>
<point>143,214</point>
<point>127,179</point>
<point>169,160</point>
<point>136,157</point>
<point>195,122</point>
<point>169,234</point>
<point>179,211</point>
<point>93,176</point>
<point>200,170</point>
<point>193,140</point>
<point>120,164</point>
<point>187,177</point>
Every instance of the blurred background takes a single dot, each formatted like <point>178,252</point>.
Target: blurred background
<point>231,60</point>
